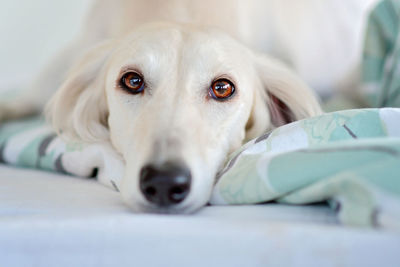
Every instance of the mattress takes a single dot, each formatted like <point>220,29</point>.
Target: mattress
<point>48,219</point>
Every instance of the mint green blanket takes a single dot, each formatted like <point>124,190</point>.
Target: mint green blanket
<point>381,58</point>
<point>349,158</point>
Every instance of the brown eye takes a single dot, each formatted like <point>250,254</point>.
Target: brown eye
<point>132,82</point>
<point>222,89</point>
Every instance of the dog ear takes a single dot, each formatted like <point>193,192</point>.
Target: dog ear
<point>78,110</point>
<point>281,97</point>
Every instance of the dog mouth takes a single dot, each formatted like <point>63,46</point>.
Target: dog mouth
<point>175,210</point>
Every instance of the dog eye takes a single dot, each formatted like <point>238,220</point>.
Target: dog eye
<point>222,89</point>
<point>132,82</point>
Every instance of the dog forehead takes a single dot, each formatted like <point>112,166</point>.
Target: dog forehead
<point>152,41</point>
<point>196,54</point>
<point>174,37</point>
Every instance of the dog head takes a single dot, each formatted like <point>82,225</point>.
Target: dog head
<point>174,100</point>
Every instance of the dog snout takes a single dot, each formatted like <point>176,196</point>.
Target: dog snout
<point>165,185</point>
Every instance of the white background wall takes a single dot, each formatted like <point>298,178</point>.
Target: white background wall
<point>31,32</point>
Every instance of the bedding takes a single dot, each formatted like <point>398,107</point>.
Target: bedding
<point>349,158</point>
<point>51,219</point>
<point>381,56</point>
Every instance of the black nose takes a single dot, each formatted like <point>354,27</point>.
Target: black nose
<point>165,185</point>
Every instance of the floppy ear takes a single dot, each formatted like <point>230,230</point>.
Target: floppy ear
<point>78,109</point>
<point>280,98</point>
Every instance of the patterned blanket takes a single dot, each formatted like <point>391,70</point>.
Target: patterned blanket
<point>349,158</point>
<point>381,57</point>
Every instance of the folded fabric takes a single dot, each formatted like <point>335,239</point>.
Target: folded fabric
<point>381,56</point>
<point>32,143</point>
<point>350,158</point>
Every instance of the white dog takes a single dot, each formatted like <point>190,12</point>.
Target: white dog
<point>172,98</point>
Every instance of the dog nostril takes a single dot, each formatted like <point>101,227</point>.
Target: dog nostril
<point>150,191</point>
<point>177,194</point>
<point>165,185</point>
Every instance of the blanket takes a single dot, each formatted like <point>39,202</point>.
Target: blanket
<point>380,82</point>
<point>349,158</point>
<point>32,143</point>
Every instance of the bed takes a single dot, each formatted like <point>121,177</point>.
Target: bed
<point>49,219</point>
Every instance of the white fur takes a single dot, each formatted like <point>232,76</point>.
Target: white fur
<point>175,119</point>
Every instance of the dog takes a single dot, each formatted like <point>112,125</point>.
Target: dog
<point>174,87</point>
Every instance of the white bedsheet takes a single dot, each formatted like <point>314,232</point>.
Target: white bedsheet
<point>48,219</point>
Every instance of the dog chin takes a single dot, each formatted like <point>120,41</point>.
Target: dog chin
<point>180,209</point>
<point>187,207</point>
<point>169,210</point>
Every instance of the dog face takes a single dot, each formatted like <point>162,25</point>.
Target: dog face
<point>174,101</point>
